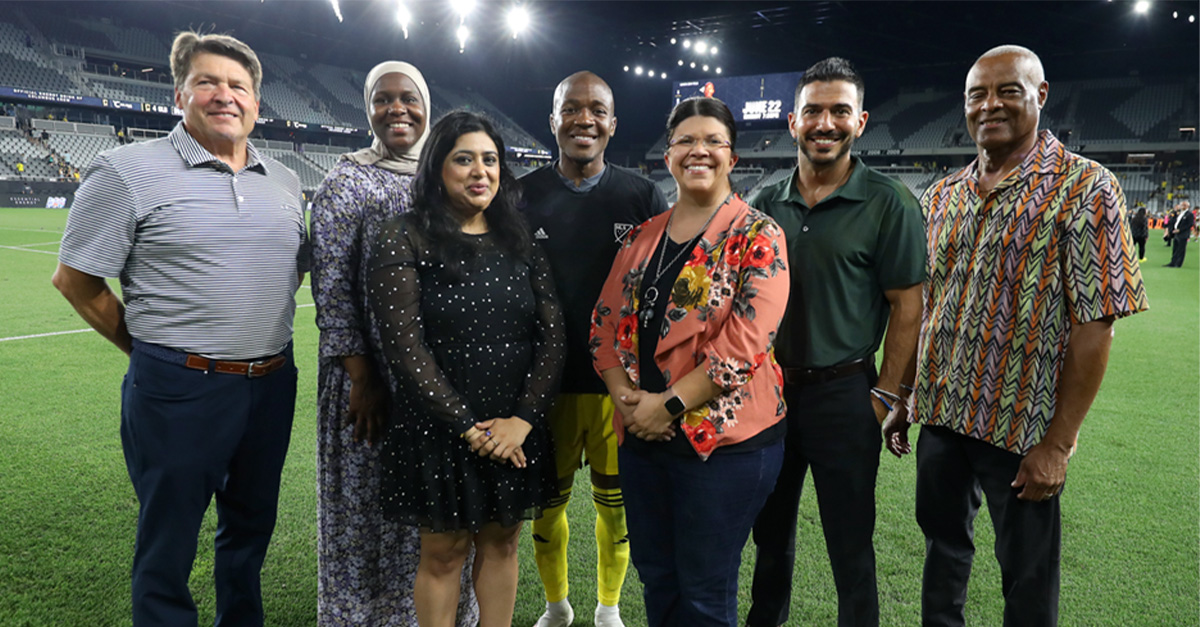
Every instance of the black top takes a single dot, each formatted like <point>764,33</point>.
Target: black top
<point>1138,226</point>
<point>489,345</point>
<point>581,233</point>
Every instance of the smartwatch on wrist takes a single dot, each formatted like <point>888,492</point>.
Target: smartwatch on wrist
<point>674,405</point>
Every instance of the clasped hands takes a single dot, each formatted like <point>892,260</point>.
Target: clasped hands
<point>500,439</point>
<point>644,413</point>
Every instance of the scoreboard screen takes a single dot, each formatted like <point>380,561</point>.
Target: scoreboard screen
<point>758,98</point>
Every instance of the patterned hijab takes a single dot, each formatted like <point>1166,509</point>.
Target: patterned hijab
<point>377,154</point>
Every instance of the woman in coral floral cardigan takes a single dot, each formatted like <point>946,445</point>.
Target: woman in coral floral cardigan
<point>683,336</point>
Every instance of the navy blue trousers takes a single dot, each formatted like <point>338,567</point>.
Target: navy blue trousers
<point>954,473</point>
<point>688,522</point>
<point>832,430</point>
<point>189,435</point>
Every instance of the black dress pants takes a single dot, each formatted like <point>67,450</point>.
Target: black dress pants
<point>952,471</point>
<point>832,430</point>
<point>1179,249</point>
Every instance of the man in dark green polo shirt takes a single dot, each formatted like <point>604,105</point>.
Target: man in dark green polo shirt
<point>857,249</point>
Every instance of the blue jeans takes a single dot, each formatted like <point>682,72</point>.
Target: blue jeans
<point>189,435</point>
<point>688,522</point>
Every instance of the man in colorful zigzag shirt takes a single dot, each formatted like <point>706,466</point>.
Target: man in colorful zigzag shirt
<point>1030,262</point>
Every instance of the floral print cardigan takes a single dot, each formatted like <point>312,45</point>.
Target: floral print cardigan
<point>723,313</point>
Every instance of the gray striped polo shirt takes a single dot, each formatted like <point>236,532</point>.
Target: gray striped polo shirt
<point>207,258</point>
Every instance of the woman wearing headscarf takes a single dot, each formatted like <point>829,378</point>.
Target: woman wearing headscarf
<point>366,564</point>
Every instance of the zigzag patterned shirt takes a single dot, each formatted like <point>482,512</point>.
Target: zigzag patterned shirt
<point>1009,274</point>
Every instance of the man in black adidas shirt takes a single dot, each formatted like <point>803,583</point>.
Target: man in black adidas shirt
<point>579,209</point>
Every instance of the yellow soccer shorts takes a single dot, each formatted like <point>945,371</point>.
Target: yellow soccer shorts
<point>582,428</point>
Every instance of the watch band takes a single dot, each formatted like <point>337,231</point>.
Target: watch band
<point>674,405</point>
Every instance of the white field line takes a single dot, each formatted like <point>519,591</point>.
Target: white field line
<point>30,250</point>
<point>37,335</point>
<point>8,228</point>
<point>55,242</point>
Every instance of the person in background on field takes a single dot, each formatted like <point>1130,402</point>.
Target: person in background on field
<point>683,336</point>
<point>1180,230</point>
<point>472,332</point>
<point>1030,262</point>
<point>366,564</point>
<point>209,240</point>
<point>1140,231</point>
<point>578,208</point>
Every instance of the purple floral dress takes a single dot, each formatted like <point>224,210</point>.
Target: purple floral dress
<point>366,564</point>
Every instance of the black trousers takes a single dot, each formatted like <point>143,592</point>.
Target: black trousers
<point>1141,246</point>
<point>952,471</point>
<point>832,430</point>
<point>1179,249</point>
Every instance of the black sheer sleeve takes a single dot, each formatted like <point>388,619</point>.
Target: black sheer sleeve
<point>395,296</point>
<point>549,343</point>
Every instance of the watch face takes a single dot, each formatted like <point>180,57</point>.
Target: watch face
<point>675,406</point>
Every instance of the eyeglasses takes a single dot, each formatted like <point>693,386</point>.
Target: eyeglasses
<point>688,142</point>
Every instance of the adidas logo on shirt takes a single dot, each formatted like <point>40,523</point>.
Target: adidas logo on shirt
<point>540,234</point>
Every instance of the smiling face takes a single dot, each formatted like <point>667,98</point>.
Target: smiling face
<point>397,112</point>
<point>471,174</point>
<point>583,119</point>
<point>700,157</point>
<point>218,102</point>
<point>827,120</point>
<point>1003,100</point>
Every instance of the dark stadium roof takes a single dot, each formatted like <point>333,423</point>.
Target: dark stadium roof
<point>894,44</point>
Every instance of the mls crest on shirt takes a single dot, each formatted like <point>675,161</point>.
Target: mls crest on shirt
<point>620,229</point>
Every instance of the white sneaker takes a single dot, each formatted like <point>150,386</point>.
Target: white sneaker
<point>608,616</point>
<point>559,614</point>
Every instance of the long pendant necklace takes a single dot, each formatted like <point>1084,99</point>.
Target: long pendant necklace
<point>650,296</point>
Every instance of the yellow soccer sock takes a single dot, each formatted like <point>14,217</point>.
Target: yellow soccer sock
<point>550,534</point>
<point>612,544</point>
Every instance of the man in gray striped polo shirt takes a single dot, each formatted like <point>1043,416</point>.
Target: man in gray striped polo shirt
<point>209,241</point>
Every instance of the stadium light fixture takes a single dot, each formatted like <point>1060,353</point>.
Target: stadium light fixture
<point>692,65</point>
<point>718,70</point>
<point>687,43</point>
<point>1142,7</point>
<point>672,41</point>
<point>1175,15</point>
<point>1191,19</point>
<point>701,47</point>
<point>626,68</point>
<point>463,33</point>
<point>462,7</point>
<point>518,20</point>
<point>638,70</point>
<point>705,67</point>
<point>337,9</point>
<point>681,62</point>
<point>404,17</point>
<point>713,51</point>
<point>651,73</point>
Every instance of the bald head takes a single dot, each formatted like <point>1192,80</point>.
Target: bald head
<point>585,77</point>
<point>1005,91</point>
<point>582,122</point>
<point>1016,55</point>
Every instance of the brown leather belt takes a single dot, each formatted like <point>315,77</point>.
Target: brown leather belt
<point>250,369</point>
<point>810,376</point>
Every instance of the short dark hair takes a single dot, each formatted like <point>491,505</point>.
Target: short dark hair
<point>433,218</point>
<point>709,107</point>
<point>832,69</point>
<point>188,44</point>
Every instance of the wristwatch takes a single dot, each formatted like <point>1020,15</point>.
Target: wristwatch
<point>674,405</point>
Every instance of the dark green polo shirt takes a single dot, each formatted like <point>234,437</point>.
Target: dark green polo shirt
<point>864,238</point>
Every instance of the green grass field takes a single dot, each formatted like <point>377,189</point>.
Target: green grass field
<point>67,511</point>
